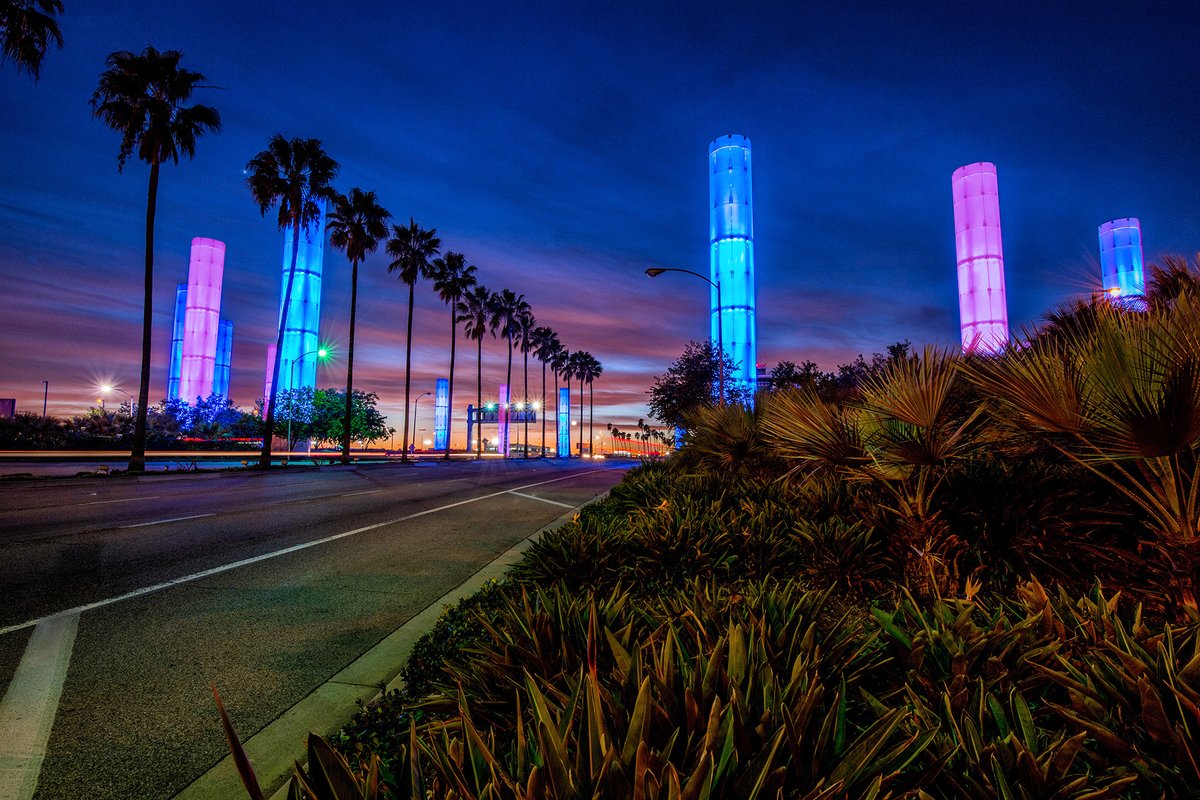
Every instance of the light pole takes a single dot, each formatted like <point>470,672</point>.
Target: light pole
<point>415,403</point>
<point>320,352</point>
<point>45,398</point>
<point>654,272</point>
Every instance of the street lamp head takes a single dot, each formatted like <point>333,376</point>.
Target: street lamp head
<point>105,388</point>
<point>654,272</point>
<point>322,353</point>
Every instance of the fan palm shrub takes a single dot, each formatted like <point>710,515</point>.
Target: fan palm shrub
<point>1123,403</point>
<point>728,440</point>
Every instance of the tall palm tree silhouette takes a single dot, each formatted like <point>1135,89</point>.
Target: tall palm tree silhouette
<point>475,309</point>
<point>526,325</point>
<point>27,27</point>
<point>411,248</point>
<point>591,369</point>
<point>560,360</point>
<point>356,226</point>
<point>295,175</point>
<point>452,278</point>
<point>545,343</point>
<point>142,97</point>
<point>507,310</point>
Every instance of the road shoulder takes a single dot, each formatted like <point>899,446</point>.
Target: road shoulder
<point>275,748</point>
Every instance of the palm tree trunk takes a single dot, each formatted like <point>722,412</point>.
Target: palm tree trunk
<point>479,400</point>
<point>556,433</point>
<point>264,459</point>
<point>591,421</point>
<point>137,453</point>
<point>581,417</point>
<point>407,369</point>
<point>525,436</point>
<point>450,399</point>
<point>508,385</point>
<point>543,409</point>
<point>350,362</point>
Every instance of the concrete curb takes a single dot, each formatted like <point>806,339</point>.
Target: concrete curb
<point>275,748</point>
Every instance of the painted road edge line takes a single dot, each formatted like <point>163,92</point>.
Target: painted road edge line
<point>276,747</point>
<point>165,521</point>
<point>542,499</point>
<point>275,554</point>
<point>29,706</point>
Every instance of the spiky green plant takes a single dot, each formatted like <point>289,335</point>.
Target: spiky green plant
<point>1123,402</point>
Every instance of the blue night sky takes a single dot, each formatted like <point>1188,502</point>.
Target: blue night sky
<point>563,149</point>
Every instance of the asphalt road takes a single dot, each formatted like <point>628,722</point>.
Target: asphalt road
<point>140,592</point>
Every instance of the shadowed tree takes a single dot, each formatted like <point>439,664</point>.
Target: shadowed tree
<point>475,310</point>
<point>545,343</point>
<point>590,369</point>
<point>411,248</point>
<point>559,364</point>
<point>576,366</point>
<point>27,28</point>
<point>293,175</point>
<point>507,310</point>
<point>525,342</point>
<point>356,225</point>
<point>1170,278</point>
<point>452,278</point>
<point>142,97</point>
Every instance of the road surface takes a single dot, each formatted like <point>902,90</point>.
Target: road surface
<point>122,599</point>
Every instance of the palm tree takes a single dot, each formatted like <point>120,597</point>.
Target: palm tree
<point>411,248</point>
<point>574,370</point>
<point>545,343</point>
<point>452,278</point>
<point>559,363</point>
<point>588,370</point>
<point>1170,278</point>
<point>27,27</point>
<point>357,224</point>
<point>507,310</point>
<point>142,97</point>
<point>526,325</point>
<point>295,175</point>
<point>475,309</point>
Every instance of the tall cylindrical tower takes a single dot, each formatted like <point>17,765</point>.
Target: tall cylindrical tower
<point>441,413</point>
<point>982,308</point>
<point>1121,262</point>
<point>202,319</point>
<point>502,421</point>
<point>176,362</point>
<point>731,246</point>
<point>563,423</point>
<point>304,312</point>
<point>224,359</point>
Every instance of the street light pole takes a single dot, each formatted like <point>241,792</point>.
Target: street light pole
<point>320,352</point>
<point>654,272</point>
<point>415,403</point>
<point>45,398</point>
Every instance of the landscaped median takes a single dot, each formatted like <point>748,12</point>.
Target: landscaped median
<point>957,577</point>
<point>692,636</point>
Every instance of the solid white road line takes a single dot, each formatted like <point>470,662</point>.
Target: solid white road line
<point>28,708</point>
<point>353,494</point>
<point>293,549</point>
<point>165,521</point>
<point>543,499</point>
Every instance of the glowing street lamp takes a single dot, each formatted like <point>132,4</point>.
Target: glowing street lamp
<point>105,390</point>
<point>654,272</point>
<point>415,402</point>
<point>321,354</point>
